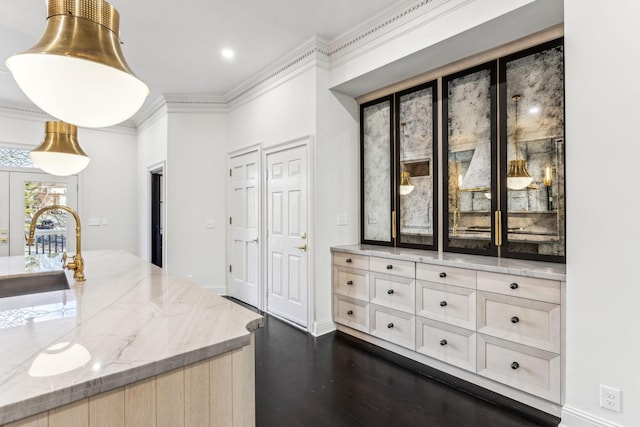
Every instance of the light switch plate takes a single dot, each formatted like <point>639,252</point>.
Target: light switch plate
<point>94,221</point>
<point>342,219</point>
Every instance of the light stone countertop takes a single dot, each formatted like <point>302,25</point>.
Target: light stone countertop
<point>132,320</point>
<point>537,269</point>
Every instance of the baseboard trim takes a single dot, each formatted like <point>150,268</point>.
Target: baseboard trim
<point>573,417</point>
<point>322,327</point>
<point>222,291</point>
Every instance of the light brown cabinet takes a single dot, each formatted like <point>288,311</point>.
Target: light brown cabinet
<point>501,327</point>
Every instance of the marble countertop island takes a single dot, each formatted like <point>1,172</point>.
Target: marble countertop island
<point>129,321</point>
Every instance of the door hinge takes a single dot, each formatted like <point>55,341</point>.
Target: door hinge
<point>230,221</point>
<point>230,269</point>
<point>230,172</point>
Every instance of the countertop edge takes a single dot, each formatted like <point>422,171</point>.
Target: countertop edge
<point>76,392</point>
<point>536,269</point>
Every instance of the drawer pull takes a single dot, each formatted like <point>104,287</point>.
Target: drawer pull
<point>390,291</point>
<point>513,286</point>
<point>350,313</point>
<point>390,325</point>
<point>350,282</point>
<point>515,365</point>
<point>443,303</point>
<point>389,267</point>
<point>515,319</point>
<point>443,342</point>
<point>348,261</point>
<point>443,274</point>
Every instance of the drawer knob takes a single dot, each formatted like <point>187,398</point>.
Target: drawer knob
<point>350,313</point>
<point>390,325</point>
<point>513,286</point>
<point>443,342</point>
<point>348,260</point>
<point>443,274</point>
<point>390,291</point>
<point>515,319</point>
<point>443,303</point>
<point>350,282</point>
<point>515,365</point>
<point>389,267</point>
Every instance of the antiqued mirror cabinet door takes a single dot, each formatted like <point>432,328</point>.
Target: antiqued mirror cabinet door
<point>376,139</point>
<point>532,137</point>
<point>416,168</point>
<point>469,141</point>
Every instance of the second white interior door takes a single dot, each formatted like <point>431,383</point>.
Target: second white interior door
<point>287,258</point>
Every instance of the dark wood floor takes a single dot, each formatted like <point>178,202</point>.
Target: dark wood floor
<point>333,381</point>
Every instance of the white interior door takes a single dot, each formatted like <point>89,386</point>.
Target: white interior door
<point>17,223</point>
<point>4,213</point>
<point>244,225</point>
<point>287,264</point>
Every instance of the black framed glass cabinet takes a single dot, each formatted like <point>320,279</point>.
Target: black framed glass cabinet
<point>399,185</point>
<point>503,166</point>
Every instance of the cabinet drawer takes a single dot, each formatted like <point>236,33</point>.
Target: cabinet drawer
<point>393,292</point>
<point>531,370</point>
<point>448,304</point>
<point>351,282</point>
<point>393,266</point>
<point>351,312</point>
<point>351,260</point>
<point>450,344</point>
<point>524,321</point>
<point>519,286</point>
<point>392,325</point>
<point>446,275</point>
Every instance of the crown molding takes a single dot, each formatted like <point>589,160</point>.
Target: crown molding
<point>30,112</point>
<point>22,111</point>
<point>190,103</point>
<point>314,51</point>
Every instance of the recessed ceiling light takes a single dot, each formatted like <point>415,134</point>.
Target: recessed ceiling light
<point>228,53</point>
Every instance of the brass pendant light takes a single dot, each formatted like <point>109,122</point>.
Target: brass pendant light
<point>76,72</point>
<point>405,184</point>
<point>518,176</point>
<point>60,153</point>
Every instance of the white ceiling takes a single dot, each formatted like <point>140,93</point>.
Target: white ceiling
<point>175,46</point>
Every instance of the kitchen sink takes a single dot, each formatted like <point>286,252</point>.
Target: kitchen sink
<point>24,284</point>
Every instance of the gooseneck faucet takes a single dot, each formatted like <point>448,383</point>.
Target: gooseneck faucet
<point>77,263</point>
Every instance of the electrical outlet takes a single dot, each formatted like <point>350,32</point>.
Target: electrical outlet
<point>609,398</point>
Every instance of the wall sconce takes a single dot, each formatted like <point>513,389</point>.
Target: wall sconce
<point>547,181</point>
<point>405,184</point>
<point>518,176</point>
<point>76,72</point>
<point>60,153</point>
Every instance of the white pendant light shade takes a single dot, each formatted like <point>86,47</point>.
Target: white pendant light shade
<point>60,153</point>
<point>76,72</point>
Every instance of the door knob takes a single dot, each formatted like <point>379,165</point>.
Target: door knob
<point>255,240</point>
<point>303,248</point>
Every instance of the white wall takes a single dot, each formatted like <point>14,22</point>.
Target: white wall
<point>337,180</point>
<point>195,192</point>
<point>105,191</point>
<point>603,291</point>
<point>108,190</point>
<point>152,151</point>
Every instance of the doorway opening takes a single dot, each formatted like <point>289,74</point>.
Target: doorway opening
<point>156,216</point>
